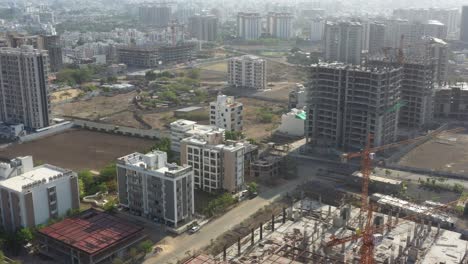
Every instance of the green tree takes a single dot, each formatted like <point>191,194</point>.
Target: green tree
<point>458,188</point>
<point>81,187</point>
<point>111,79</point>
<point>252,187</point>
<point>233,135</point>
<point>133,252</point>
<point>103,187</point>
<point>117,261</point>
<point>109,206</point>
<point>193,74</point>
<point>151,75</point>
<point>108,173</point>
<point>24,235</point>
<point>145,246</point>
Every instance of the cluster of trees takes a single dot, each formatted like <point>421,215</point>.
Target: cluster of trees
<point>219,205</point>
<point>233,135</point>
<point>439,185</point>
<point>296,56</point>
<point>106,181</point>
<point>13,242</point>
<point>136,253</point>
<point>265,115</point>
<point>72,75</point>
<point>164,144</point>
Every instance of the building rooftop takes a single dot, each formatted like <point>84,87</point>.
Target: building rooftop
<point>35,177</point>
<point>183,122</point>
<point>189,109</point>
<point>153,161</point>
<point>92,231</point>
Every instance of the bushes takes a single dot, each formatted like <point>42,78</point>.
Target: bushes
<point>106,181</point>
<point>233,135</point>
<point>219,204</point>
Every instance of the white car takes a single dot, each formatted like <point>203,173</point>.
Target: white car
<point>194,229</point>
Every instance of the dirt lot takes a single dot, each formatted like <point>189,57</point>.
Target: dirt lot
<point>448,152</point>
<point>252,127</point>
<point>96,107</point>
<point>64,95</point>
<point>79,149</point>
<point>123,119</point>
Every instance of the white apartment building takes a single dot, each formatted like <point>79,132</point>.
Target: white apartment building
<point>30,195</point>
<point>342,42</point>
<point>247,72</point>
<point>279,25</point>
<point>24,96</point>
<point>293,123</point>
<point>249,26</point>
<point>215,166</point>
<point>226,113</point>
<point>152,188</point>
<point>182,128</point>
<point>317,26</point>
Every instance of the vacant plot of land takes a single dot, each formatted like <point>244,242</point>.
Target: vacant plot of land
<point>123,119</point>
<point>96,107</point>
<point>448,152</point>
<point>79,149</point>
<point>253,127</point>
<point>218,66</point>
<point>64,95</point>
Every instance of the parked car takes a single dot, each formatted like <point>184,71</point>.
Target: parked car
<point>194,229</point>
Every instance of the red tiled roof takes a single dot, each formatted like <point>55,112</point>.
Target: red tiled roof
<point>91,231</point>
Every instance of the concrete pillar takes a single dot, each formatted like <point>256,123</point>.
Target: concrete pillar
<point>272,223</point>
<point>400,250</point>
<point>438,228</point>
<point>238,246</point>
<point>408,240</point>
<point>389,218</point>
<point>224,252</point>
<point>284,215</point>
<point>329,210</point>
<point>429,226</point>
<point>320,200</point>
<point>261,231</point>
<point>343,248</point>
<point>397,216</point>
<point>252,239</point>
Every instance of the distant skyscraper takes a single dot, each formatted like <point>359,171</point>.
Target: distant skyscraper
<point>204,27</point>
<point>249,26</point>
<point>316,29</point>
<point>376,37</point>
<point>24,94</point>
<point>279,25</point>
<point>343,42</point>
<point>155,15</point>
<point>53,46</point>
<point>464,25</point>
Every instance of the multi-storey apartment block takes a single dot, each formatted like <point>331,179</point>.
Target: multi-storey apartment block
<point>181,129</point>
<point>24,95</point>
<point>451,101</point>
<point>247,72</point>
<point>151,187</point>
<point>279,25</point>
<point>348,103</point>
<point>249,26</point>
<point>30,195</point>
<point>226,113</point>
<point>342,42</point>
<point>204,27</point>
<point>216,166</point>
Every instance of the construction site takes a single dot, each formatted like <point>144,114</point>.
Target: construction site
<point>360,228</point>
<point>313,232</point>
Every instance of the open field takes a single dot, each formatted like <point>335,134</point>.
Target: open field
<point>79,149</point>
<point>64,95</point>
<point>96,107</point>
<point>253,128</point>
<point>123,119</point>
<point>447,152</point>
<point>218,66</point>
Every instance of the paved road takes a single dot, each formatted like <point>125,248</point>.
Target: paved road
<point>176,248</point>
